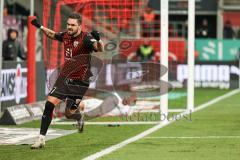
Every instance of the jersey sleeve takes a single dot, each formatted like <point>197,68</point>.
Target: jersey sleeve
<point>89,41</point>
<point>59,36</point>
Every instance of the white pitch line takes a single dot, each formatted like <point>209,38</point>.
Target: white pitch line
<point>130,140</point>
<point>203,137</point>
<point>229,94</point>
<point>155,128</point>
<point>109,123</point>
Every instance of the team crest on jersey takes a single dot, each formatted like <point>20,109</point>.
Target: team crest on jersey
<point>75,43</point>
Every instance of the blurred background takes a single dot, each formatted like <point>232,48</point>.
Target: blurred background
<point>129,28</point>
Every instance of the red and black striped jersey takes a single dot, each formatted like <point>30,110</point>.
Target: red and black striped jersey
<point>77,54</point>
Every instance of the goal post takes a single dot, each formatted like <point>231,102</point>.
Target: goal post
<point>164,57</point>
<point>191,60</point>
<point>190,56</point>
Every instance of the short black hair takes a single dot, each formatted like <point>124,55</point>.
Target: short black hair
<point>10,30</point>
<point>76,16</point>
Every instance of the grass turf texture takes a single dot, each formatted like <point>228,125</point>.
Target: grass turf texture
<point>220,119</point>
<point>201,96</point>
<point>75,146</point>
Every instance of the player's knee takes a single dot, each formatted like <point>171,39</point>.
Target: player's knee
<point>71,104</point>
<point>53,100</point>
<point>71,109</point>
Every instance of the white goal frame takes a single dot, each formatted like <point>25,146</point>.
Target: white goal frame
<point>190,59</point>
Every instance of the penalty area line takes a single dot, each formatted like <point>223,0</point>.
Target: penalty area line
<point>156,127</point>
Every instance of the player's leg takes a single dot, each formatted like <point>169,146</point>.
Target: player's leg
<point>77,90</point>
<point>80,122</point>
<point>46,121</point>
<point>48,112</point>
<point>54,98</point>
<point>71,108</point>
<point>74,110</point>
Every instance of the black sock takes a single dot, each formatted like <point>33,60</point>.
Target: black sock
<point>46,117</point>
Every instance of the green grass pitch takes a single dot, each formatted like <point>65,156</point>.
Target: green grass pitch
<point>213,133</point>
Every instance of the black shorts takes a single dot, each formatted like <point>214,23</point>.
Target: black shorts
<point>69,88</point>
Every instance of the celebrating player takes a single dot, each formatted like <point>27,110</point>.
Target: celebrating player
<point>73,80</point>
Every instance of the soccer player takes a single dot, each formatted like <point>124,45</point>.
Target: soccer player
<point>73,80</point>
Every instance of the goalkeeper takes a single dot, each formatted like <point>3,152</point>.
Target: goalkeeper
<point>73,80</point>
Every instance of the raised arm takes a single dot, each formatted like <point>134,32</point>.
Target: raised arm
<point>48,32</point>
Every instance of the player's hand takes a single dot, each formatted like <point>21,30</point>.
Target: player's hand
<point>96,35</point>
<point>36,23</point>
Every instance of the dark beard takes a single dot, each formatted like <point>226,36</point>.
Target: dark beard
<point>71,34</point>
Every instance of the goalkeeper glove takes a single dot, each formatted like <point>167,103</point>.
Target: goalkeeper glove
<point>96,35</point>
<point>36,23</point>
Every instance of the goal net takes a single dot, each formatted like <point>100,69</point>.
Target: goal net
<point>128,83</point>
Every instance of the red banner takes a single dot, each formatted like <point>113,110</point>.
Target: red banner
<point>177,48</point>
